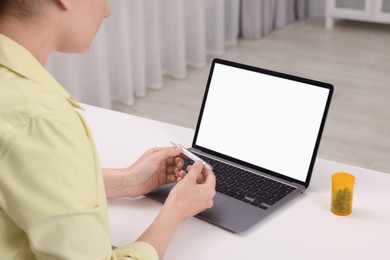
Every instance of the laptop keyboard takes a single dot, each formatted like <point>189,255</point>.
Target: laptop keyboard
<point>246,186</point>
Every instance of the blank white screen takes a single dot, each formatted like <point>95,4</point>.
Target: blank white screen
<point>264,120</point>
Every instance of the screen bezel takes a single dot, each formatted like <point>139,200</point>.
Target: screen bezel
<point>276,74</point>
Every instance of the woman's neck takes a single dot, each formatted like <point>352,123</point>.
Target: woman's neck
<point>37,39</point>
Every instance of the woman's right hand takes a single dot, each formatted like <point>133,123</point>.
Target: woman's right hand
<point>193,194</point>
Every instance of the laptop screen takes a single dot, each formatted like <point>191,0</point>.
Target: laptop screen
<point>267,119</point>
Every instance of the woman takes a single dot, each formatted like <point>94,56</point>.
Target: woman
<point>52,190</point>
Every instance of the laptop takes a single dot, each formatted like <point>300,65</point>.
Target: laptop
<point>260,131</point>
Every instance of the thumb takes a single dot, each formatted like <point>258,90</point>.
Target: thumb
<point>166,152</point>
<point>195,170</point>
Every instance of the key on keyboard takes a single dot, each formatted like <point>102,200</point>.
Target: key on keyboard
<point>248,187</point>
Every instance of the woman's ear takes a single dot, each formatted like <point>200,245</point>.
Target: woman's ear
<point>66,4</point>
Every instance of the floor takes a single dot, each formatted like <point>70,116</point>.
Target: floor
<point>354,57</point>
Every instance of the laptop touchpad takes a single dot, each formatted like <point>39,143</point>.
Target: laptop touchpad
<point>218,199</point>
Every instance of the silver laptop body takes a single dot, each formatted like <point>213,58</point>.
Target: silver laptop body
<point>266,126</point>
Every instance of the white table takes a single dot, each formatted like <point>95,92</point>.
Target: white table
<point>306,229</point>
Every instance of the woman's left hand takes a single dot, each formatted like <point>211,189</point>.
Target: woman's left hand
<point>156,167</point>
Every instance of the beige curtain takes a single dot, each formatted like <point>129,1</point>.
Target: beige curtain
<point>142,41</point>
<point>260,17</point>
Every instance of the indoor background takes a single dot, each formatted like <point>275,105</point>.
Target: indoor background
<point>151,58</point>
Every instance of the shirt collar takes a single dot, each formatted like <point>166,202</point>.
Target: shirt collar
<point>16,58</point>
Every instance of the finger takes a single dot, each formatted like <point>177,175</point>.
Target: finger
<point>180,174</point>
<point>171,178</point>
<point>195,170</point>
<point>170,161</point>
<point>209,177</point>
<point>200,178</point>
<point>179,162</point>
<point>174,164</point>
<point>154,149</point>
<point>164,153</point>
<point>175,160</point>
<point>171,169</point>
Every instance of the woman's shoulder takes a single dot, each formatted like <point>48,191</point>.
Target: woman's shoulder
<point>20,95</point>
<point>22,100</point>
